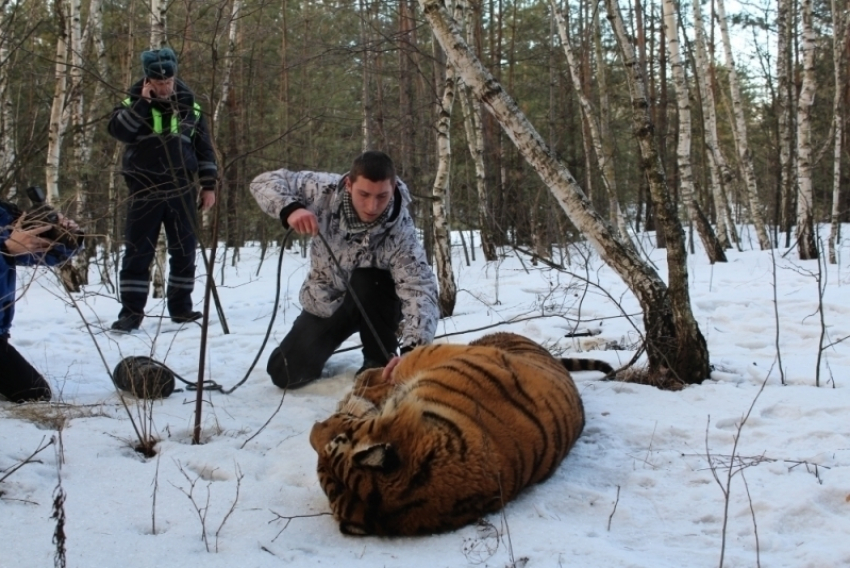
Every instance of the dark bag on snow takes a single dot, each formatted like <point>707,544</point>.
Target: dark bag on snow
<point>143,377</point>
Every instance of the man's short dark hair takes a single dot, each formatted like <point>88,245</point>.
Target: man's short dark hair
<point>374,166</point>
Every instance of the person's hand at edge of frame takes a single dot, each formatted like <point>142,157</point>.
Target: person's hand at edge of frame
<point>304,222</point>
<point>27,241</point>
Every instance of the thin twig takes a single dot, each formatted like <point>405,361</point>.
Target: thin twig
<point>753,515</point>
<point>239,476</point>
<point>153,503</point>
<point>726,485</point>
<point>614,510</point>
<point>28,459</point>
<point>257,433</point>
<point>289,519</point>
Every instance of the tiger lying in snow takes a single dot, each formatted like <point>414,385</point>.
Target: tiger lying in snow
<point>459,432</point>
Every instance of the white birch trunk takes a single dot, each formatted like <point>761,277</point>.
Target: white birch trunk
<point>229,59</point>
<point>85,129</point>
<point>783,67</point>
<point>741,135</point>
<point>159,40</point>
<point>366,76</point>
<point>806,245</point>
<point>683,149</point>
<point>8,154</point>
<point>159,13</point>
<point>440,195</point>
<point>603,151</point>
<point>614,209</point>
<point>57,126</point>
<point>474,128</point>
<point>114,240</point>
<point>74,274</point>
<point>645,283</point>
<point>720,173</point>
<point>472,125</point>
<point>688,335</point>
<point>841,30</point>
<point>93,34</point>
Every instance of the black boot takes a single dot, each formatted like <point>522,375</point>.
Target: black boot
<point>186,317</point>
<point>127,323</point>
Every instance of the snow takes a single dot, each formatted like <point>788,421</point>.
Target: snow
<point>644,485</point>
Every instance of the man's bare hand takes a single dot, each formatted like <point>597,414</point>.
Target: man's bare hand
<point>304,222</point>
<point>387,374</point>
<point>27,241</point>
<point>207,200</point>
<point>68,224</point>
<point>147,90</point>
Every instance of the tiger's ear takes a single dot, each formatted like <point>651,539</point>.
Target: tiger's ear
<point>382,457</point>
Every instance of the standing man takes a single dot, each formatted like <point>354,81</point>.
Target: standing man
<point>363,216</point>
<point>167,146</point>
<point>22,245</point>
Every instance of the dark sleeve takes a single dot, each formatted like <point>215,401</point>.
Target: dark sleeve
<point>207,167</point>
<point>287,211</point>
<point>130,120</point>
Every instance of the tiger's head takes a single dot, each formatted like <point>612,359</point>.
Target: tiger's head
<point>358,465</point>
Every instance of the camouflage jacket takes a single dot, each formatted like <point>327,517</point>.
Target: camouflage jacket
<point>391,245</point>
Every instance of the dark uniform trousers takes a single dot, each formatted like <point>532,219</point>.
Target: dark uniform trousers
<point>174,207</point>
<point>312,340</point>
<point>19,381</point>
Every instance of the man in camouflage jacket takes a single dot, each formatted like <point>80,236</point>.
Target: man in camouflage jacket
<point>363,215</point>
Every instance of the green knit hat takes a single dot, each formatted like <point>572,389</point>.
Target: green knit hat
<point>160,63</point>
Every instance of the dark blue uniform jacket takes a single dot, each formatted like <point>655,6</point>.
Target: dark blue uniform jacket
<point>171,155</point>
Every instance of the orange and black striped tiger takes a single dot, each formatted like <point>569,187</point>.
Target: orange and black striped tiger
<point>458,432</point>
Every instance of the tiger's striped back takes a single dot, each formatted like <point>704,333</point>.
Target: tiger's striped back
<point>461,430</point>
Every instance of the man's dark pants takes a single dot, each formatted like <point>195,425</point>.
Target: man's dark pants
<point>312,340</point>
<point>172,205</point>
<point>19,381</point>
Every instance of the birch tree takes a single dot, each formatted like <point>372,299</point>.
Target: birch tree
<point>601,145</point>
<point>366,92</point>
<point>709,240</point>
<point>75,273</point>
<point>786,136</point>
<point>113,239</point>
<point>673,347</point>
<point>806,245</point>
<point>740,133</point>
<point>841,31</point>
<point>229,59</point>
<point>607,139</point>
<point>665,209</point>
<point>58,125</point>
<point>158,40</point>
<point>474,129</point>
<point>721,175</point>
<point>440,191</point>
<point>7,117</point>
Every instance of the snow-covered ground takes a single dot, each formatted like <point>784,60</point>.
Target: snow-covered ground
<point>644,486</point>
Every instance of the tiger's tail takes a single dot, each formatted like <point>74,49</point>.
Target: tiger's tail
<point>575,364</point>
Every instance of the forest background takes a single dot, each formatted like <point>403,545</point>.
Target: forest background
<point>629,117</point>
